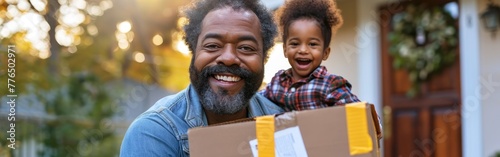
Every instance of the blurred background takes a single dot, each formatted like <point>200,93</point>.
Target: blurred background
<point>84,69</point>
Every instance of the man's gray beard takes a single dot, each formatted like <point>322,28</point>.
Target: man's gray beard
<point>222,102</point>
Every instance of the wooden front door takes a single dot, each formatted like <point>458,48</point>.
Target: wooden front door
<point>429,124</point>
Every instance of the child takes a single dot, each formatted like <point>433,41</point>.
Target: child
<point>307,27</point>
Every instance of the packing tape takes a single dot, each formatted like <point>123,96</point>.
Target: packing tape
<point>265,136</point>
<point>360,141</point>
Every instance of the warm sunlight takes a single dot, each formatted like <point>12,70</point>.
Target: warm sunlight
<point>44,54</point>
<point>92,30</point>
<point>71,16</point>
<point>276,62</point>
<point>39,4</point>
<point>124,39</point>
<point>139,57</point>
<point>63,37</point>
<point>157,40</point>
<point>179,45</point>
<point>124,26</point>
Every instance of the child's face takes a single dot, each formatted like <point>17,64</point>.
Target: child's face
<point>304,47</point>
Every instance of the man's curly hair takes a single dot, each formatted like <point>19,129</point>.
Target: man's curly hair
<point>325,12</point>
<point>197,12</point>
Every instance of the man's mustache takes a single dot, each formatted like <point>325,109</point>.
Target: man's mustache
<point>234,69</point>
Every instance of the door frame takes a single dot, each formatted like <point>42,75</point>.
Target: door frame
<point>472,142</point>
<point>369,71</point>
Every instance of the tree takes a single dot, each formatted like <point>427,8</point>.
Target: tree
<point>40,30</point>
<point>65,47</point>
<point>78,118</point>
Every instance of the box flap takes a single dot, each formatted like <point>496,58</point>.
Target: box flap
<point>376,120</point>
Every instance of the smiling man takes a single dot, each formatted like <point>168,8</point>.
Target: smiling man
<point>229,40</point>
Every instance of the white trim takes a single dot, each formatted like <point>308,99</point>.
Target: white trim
<point>368,44</point>
<point>472,143</point>
<point>369,69</point>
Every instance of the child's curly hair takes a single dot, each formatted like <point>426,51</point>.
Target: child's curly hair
<point>325,12</point>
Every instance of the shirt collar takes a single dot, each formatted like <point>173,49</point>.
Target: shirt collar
<point>254,109</point>
<point>319,72</point>
<point>194,111</point>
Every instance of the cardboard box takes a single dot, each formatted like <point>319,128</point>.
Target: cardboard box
<point>332,131</point>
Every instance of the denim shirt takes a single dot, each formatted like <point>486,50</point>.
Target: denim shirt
<point>162,129</point>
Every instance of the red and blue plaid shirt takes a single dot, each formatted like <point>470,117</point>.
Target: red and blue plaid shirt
<point>319,90</point>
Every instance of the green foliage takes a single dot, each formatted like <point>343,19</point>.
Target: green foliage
<point>77,105</point>
<point>24,132</point>
<point>77,122</point>
<point>28,70</point>
<point>423,41</point>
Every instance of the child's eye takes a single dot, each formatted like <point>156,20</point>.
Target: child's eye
<point>313,44</point>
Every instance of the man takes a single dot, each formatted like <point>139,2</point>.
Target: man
<point>229,40</point>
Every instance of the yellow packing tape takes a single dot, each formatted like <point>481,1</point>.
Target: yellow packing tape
<point>265,136</point>
<point>360,141</point>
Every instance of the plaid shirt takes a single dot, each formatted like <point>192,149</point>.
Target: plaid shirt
<point>319,90</point>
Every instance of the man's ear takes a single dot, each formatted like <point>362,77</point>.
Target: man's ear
<point>326,53</point>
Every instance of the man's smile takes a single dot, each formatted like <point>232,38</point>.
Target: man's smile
<point>227,78</point>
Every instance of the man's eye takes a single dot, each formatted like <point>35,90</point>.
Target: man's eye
<point>247,48</point>
<point>211,47</point>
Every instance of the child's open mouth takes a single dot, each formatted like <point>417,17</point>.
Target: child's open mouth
<point>303,61</point>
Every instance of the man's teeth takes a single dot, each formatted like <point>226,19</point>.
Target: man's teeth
<point>227,78</point>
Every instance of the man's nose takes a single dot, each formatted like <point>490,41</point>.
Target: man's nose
<point>229,56</point>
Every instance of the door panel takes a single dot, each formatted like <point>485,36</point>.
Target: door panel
<point>446,133</point>
<point>406,120</point>
<point>426,125</point>
<point>401,82</point>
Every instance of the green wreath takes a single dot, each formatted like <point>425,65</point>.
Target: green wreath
<point>423,41</point>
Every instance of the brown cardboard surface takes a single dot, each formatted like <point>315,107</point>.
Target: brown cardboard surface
<point>229,140</point>
<point>324,132</point>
